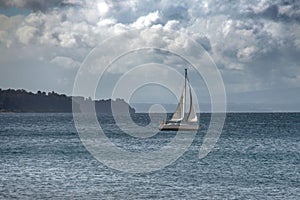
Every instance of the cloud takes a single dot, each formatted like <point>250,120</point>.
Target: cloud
<point>172,25</point>
<point>146,21</point>
<point>249,38</point>
<point>36,5</point>
<point>66,62</point>
<point>247,53</point>
<point>175,12</point>
<point>26,34</point>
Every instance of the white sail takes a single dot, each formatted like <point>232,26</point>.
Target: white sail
<point>192,116</point>
<point>179,113</point>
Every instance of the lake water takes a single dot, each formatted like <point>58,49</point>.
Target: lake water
<point>256,157</point>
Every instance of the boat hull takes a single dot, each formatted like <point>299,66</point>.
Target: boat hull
<point>178,127</point>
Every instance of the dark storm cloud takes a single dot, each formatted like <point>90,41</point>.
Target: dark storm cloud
<point>282,11</point>
<point>35,5</point>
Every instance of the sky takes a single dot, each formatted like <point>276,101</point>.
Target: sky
<point>254,44</point>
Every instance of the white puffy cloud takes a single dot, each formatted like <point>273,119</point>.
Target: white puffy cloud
<point>67,40</point>
<point>26,34</point>
<point>146,21</point>
<point>172,25</point>
<point>65,62</point>
<point>247,53</point>
<point>102,7</point>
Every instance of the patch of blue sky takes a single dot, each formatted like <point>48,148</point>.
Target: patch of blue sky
<point>13,11</point>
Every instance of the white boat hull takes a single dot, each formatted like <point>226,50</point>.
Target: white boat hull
<point>178,127</point>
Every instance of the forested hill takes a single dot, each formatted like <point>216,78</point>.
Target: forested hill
<point>23,101</point>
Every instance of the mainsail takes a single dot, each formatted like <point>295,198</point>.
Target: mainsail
<point>192,116</point>
<point>179,113</point>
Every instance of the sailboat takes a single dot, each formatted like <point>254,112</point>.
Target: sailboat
<point>179,121</point>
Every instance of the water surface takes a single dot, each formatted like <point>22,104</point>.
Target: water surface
<point>256,157</point>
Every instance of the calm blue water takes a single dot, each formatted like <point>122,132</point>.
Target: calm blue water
<point>256,157</point>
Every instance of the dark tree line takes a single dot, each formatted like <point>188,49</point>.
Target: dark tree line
<point>22,101</point>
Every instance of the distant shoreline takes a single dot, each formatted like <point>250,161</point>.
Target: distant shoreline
<point>21,101</point>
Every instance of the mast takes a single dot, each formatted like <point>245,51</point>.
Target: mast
<point>185,81</point>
